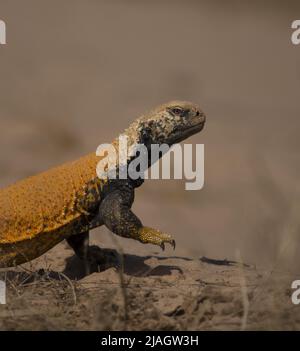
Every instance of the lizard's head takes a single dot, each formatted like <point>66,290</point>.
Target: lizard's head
<point>171,123</point>
<point>168,124</point>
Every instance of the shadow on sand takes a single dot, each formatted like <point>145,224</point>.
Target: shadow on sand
<point>76,269</point>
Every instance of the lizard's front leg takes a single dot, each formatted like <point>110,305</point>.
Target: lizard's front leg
<point>115,212</point>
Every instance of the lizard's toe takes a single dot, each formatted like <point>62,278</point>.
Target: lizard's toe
<point>173,243</point>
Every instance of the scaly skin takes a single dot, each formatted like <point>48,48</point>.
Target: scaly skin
<point>67,201</point>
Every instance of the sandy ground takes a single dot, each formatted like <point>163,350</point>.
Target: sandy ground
<point>74,74</point>
<point>151,292</point>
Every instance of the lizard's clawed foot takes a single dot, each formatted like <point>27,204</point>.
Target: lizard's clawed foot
<point>172,243</point>
<point>149,235</point>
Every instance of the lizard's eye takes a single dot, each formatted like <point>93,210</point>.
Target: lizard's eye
<point>178,111</point>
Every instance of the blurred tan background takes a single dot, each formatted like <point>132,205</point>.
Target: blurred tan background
<point>74,74</point>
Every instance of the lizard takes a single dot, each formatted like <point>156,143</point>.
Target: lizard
<point>68,201</point>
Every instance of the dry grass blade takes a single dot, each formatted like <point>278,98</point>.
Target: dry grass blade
<point>244,291</point>
<point>71,285</point>
<point>121,276</point>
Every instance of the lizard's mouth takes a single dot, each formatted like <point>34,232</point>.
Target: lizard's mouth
<point>180,135</point>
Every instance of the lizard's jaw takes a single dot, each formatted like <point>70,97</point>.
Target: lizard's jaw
<point>181,135</point>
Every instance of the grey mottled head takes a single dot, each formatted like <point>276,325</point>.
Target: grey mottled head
<point>169,123</point>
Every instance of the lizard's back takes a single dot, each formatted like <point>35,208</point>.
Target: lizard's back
<point>45,202</point>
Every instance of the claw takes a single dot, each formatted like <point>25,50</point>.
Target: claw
<point>162,245</point>
<point>173,243</point>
